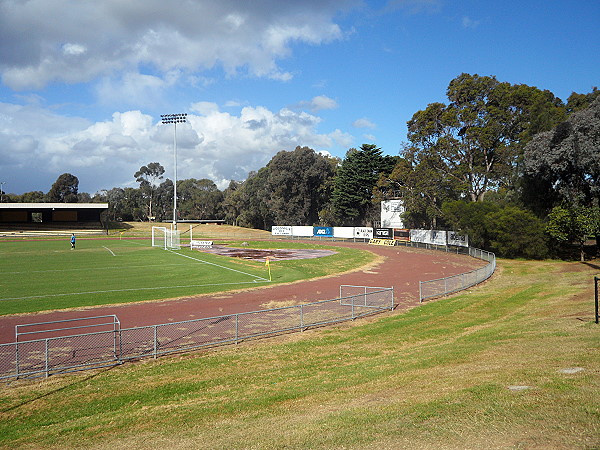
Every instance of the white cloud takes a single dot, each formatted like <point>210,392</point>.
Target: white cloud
<point>323,102</point>
<point>318,103</point>
<point>132,89</point>
<point>212,144</point>
<point>467,22</point>
<point>40,38</point>
<point>74,49</point>
<point>370,137</point>
<point>363,123</point>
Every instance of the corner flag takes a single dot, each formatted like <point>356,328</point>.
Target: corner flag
<point>268,264</point>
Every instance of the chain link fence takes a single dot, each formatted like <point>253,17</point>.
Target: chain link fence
<point>448,285</point>
<point>63,354</point>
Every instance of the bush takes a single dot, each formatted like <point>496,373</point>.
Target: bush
<point>515,232</point>
<point>507,230</point>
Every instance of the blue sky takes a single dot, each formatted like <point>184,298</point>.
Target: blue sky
<point>83,83</point>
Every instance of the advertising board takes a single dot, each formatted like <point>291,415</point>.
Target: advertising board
<point>460,240</point>
<point>363,232</point>
<point>402,234</point>
<point>323,231</point>
<point>428,236</point>
<point>279,230</point>
<point>302,231</point>
<point>343,232</point>
<point>383,233</point>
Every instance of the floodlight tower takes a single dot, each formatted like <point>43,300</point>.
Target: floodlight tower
<point>174,119</point>
<point>2,183</point>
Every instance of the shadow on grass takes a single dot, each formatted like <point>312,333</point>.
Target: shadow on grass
<point>60,389</point>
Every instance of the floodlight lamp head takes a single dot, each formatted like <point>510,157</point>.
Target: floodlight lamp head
<point>173,118</point>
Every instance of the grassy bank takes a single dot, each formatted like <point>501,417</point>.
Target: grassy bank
<point>513,363</point>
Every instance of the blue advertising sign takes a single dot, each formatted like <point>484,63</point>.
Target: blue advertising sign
<point>323,231</point>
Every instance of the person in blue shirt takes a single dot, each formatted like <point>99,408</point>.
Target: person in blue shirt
<point>73,241</point>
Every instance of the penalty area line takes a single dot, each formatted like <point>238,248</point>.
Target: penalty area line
<point>111,252</point>
<point>221,267</point>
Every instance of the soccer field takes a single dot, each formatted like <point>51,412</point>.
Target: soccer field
<point>43,275</point>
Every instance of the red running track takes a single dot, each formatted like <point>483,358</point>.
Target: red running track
<point>399,267</point>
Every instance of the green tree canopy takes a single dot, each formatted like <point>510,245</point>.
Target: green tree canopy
<point>33,197</point>
<point>565,162</point>
<point>291,190</point>
<point>199,199</point>
<point>475,140</point>
<point>355,181</point>
<point>298,186</point>
<point>574,224</point>
<point>64,189</point>
<point>148,176</point>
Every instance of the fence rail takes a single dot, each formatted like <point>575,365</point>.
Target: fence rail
<point>62,354</point>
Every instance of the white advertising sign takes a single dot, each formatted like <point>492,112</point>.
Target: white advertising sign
<point>437,237</point>
<point>460,240</point>
<point>418,235</point>
<point>302,231</point>
<point>280,230</point>
<point>428,236</point>
<point>363,232</point>
<point>343,232</point>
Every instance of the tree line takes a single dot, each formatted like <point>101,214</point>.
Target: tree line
<point>511,165</point>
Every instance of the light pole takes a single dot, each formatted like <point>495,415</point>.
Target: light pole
<point>174,119</point>
<point>2,183</point>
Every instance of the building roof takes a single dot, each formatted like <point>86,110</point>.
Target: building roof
<point>39,206</point>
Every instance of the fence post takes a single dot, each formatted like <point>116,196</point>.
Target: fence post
<point>46,351</point>
<point>120,346</point>
<point>596,279</point>
<point>237,319</point>
<point>115,339</point>
<point>17,359</point>
<point>302,318</point>
<point>392,305</point>
<point>155,341</point>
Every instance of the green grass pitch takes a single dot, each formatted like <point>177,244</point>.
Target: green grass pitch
<point>43,275</point>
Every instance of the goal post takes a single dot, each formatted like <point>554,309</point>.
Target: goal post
<point>165,238</point>
<point>159,237</point>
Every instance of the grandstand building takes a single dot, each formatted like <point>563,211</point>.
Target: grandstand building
<point>52,217</point>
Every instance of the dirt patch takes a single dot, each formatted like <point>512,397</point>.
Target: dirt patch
<point>262,254</point>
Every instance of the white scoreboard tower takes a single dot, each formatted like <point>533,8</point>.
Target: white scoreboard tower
<point>391,214</point>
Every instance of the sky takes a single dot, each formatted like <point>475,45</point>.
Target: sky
<point>83,83</point>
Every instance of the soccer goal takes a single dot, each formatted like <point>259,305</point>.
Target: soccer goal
<point>165,238</point>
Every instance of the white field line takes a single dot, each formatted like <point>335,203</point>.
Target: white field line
<point>79,269</point>
<point>221,267</point>
<point>111,252</point>
<point>131,290</point>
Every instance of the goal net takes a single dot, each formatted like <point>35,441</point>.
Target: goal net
<point>165,238</point>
